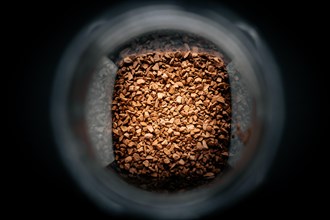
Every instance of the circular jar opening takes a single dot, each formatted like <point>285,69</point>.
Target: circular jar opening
<point>90,136</point>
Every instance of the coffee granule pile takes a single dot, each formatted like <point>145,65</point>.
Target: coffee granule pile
<point>171,115</point>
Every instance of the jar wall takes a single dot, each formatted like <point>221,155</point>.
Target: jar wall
<point>84,131</point>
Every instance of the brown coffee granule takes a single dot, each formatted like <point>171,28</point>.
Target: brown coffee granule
<point>171,115</point>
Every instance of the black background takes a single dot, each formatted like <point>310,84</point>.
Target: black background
<point>42,31</point>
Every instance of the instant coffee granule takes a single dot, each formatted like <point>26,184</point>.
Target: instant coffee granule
<point>171,117</point>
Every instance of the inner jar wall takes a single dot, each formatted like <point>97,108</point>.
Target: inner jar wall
<point>256,78</point>
<point>100,92</point>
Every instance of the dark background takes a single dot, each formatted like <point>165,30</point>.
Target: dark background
<point>42,31</point>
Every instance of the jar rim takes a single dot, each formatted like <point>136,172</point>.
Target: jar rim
<point>175,18</point>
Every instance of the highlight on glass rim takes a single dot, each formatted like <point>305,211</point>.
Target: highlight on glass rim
<point>157,107</point>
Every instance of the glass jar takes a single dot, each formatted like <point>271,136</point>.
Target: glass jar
<point>83,90</point>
